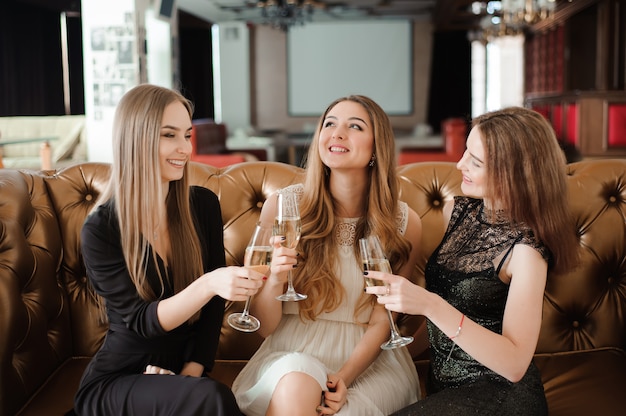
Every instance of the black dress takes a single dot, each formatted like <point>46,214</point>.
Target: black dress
<point>462,271</point>
<point>113,383</point>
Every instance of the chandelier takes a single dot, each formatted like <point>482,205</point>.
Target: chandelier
<point>283,14</point>
<point>509,17</point>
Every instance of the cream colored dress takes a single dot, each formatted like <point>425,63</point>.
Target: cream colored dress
<point>322,346</point>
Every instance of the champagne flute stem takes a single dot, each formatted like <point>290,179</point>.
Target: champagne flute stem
<point>246,308</point>
<point>392,324</point>
<point>290,288</point>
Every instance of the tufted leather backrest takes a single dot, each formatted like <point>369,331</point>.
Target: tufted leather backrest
<point>586,308</point>
<point>34,318</point>
<point>47,316</point>
<point>73,194</point>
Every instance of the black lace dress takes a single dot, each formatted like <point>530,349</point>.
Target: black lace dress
<point>464,270</point>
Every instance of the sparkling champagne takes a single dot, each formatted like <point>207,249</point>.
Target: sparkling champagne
<point>258,258</point>
<point>287,224</point>
<point>377,265</point>
<point>288,227</point>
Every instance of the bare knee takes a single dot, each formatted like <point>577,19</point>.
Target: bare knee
<point>296,394</point>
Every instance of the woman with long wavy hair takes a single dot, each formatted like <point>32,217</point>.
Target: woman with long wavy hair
<point>322,355</point>
<point>154,254</point>
<point>485,281</point>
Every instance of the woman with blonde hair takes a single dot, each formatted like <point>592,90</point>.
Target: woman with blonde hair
<point>322,355</point>
<point>485,281</point>
<point>154,254</point>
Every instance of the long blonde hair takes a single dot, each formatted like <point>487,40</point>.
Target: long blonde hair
<point>315,274</point>
<point>526,175</point>
<point>135,184</point>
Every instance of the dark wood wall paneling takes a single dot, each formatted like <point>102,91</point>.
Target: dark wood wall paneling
<point>588,108</point>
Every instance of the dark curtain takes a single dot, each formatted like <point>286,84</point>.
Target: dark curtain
<point>30,61</point>
<point>76,71</point>
<point>450,80</point>
<point>196,64</point>
<point>31,68</point>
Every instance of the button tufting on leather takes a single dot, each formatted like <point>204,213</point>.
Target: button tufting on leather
<point>55,280</point>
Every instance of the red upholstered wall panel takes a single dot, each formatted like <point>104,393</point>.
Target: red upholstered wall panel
<point>571,134</point>
<point>617,125</point>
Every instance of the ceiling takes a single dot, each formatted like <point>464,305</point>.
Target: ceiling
<point>446,15</point>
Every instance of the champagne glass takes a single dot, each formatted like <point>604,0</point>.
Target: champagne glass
<point>258,256</point>
<point>374,259</point>
<point>287,224</point>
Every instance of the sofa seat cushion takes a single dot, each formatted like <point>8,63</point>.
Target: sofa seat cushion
<point>56,396</point>
<point>225,371</point>
<point>571,383</point>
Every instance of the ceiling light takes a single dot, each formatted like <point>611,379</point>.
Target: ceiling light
<point>284,14</point>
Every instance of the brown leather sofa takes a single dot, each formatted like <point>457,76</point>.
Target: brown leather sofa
<point>48,325</point>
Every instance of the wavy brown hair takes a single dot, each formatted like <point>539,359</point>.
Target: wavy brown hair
<point>315,274</point>
<point>135,184</point>
<point>526,171</point>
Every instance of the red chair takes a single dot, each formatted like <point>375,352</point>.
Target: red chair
<point>454,134</point>
<point>208,139</point>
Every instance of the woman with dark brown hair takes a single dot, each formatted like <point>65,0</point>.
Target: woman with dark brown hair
<point>485,281</point>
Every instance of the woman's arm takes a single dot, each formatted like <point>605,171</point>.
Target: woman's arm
<point>508,354</point>
<point>106,268</point>
<point>232,283</point>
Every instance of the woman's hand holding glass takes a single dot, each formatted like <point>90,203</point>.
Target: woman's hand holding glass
<point>399,294</point>
<point>234,283</point>
<point>258,257</point>
<point>373,259</point>
<point>284,259</point>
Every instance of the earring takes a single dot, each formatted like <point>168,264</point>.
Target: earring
<point>372,161</point>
